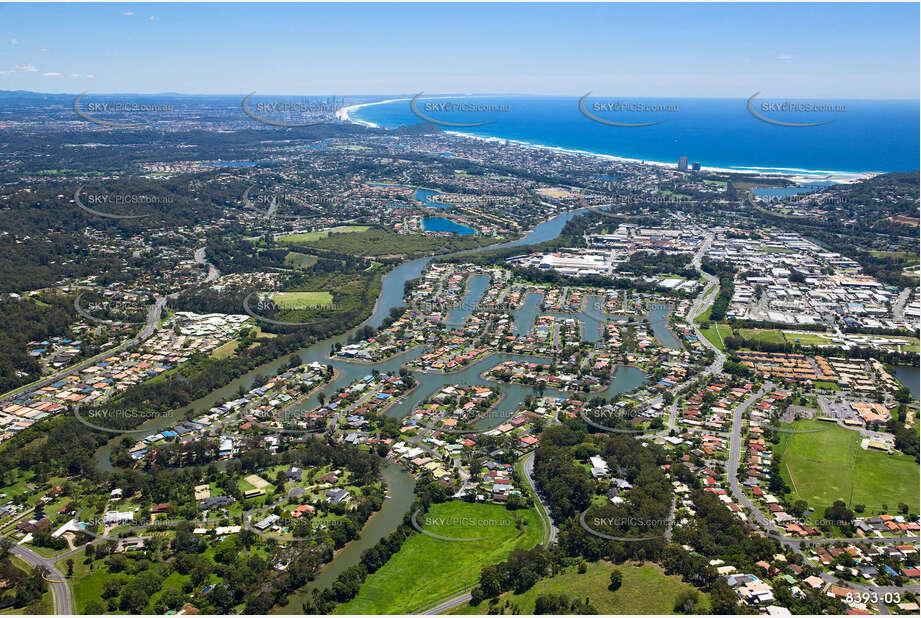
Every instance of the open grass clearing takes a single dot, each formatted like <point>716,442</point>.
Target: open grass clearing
<point>301,300</point>
<point>427,569</point>
<point>644,590</point>
<point>300,260</point>
<point>317,235</point>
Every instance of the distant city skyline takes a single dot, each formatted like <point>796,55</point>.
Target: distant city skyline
<point>849,51</point>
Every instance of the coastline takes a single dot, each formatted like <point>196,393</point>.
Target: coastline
<point>796,175</point>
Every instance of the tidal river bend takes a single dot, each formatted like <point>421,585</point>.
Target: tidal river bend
<point>400,483</point>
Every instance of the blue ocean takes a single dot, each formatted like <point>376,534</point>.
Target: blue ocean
<point>860,136</point>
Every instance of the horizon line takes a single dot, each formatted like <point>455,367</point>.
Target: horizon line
<point>452,94</point>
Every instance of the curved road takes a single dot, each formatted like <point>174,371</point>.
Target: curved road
<point>213,272</point>
<point>60,591</point>
<point>527,464</point>
<point>153,319</point>
<point>765,523</point>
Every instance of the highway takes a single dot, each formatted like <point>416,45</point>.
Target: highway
<point>447,604</point>
<point>735,451</point>
<point>898,307</point>
<point>703,300</point>
<point>527,464</point>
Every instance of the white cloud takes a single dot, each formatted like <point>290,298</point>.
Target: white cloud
<point>43,49</point>
<point>784,57</point>
<point>89,76</point>
<point>128,13</point>
<point>75,75</point>
<point>26,68</point>
<point>14,41</point>
<point>51,74</point>
<point>152,18</point>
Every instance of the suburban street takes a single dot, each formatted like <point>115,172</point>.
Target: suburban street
<point>153,319</point>
<point>213,272</point>
<point>527,465</point>
<point>768,527</point>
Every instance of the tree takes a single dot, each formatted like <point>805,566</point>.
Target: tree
<point>171,599</point>
<point>111,587</point>
<point>616,580</point>
<point>839,513</point>
<point>476,596</point>
<point>490,583</point>
<point>686,603</point>
<point>799,507</point>
<point>723,601</point>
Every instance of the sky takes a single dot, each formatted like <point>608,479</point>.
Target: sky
<point>849,51</point>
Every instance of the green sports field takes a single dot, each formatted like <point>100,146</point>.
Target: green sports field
<point>427,569</point>
<point>310,236</point>
<point>807,339</point>
<point>829,465</point>
<point>758,334</point>
<point>301,300</point>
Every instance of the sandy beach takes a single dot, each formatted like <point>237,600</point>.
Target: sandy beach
<point>799,176</point>
<point>343,114</point>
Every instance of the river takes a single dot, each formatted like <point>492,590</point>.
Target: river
<point>391,296</point>
<point>400,487</point>
<point>909,376</point>
<point>399,482</point>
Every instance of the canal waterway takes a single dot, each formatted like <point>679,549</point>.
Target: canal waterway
<point>400,483</point>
